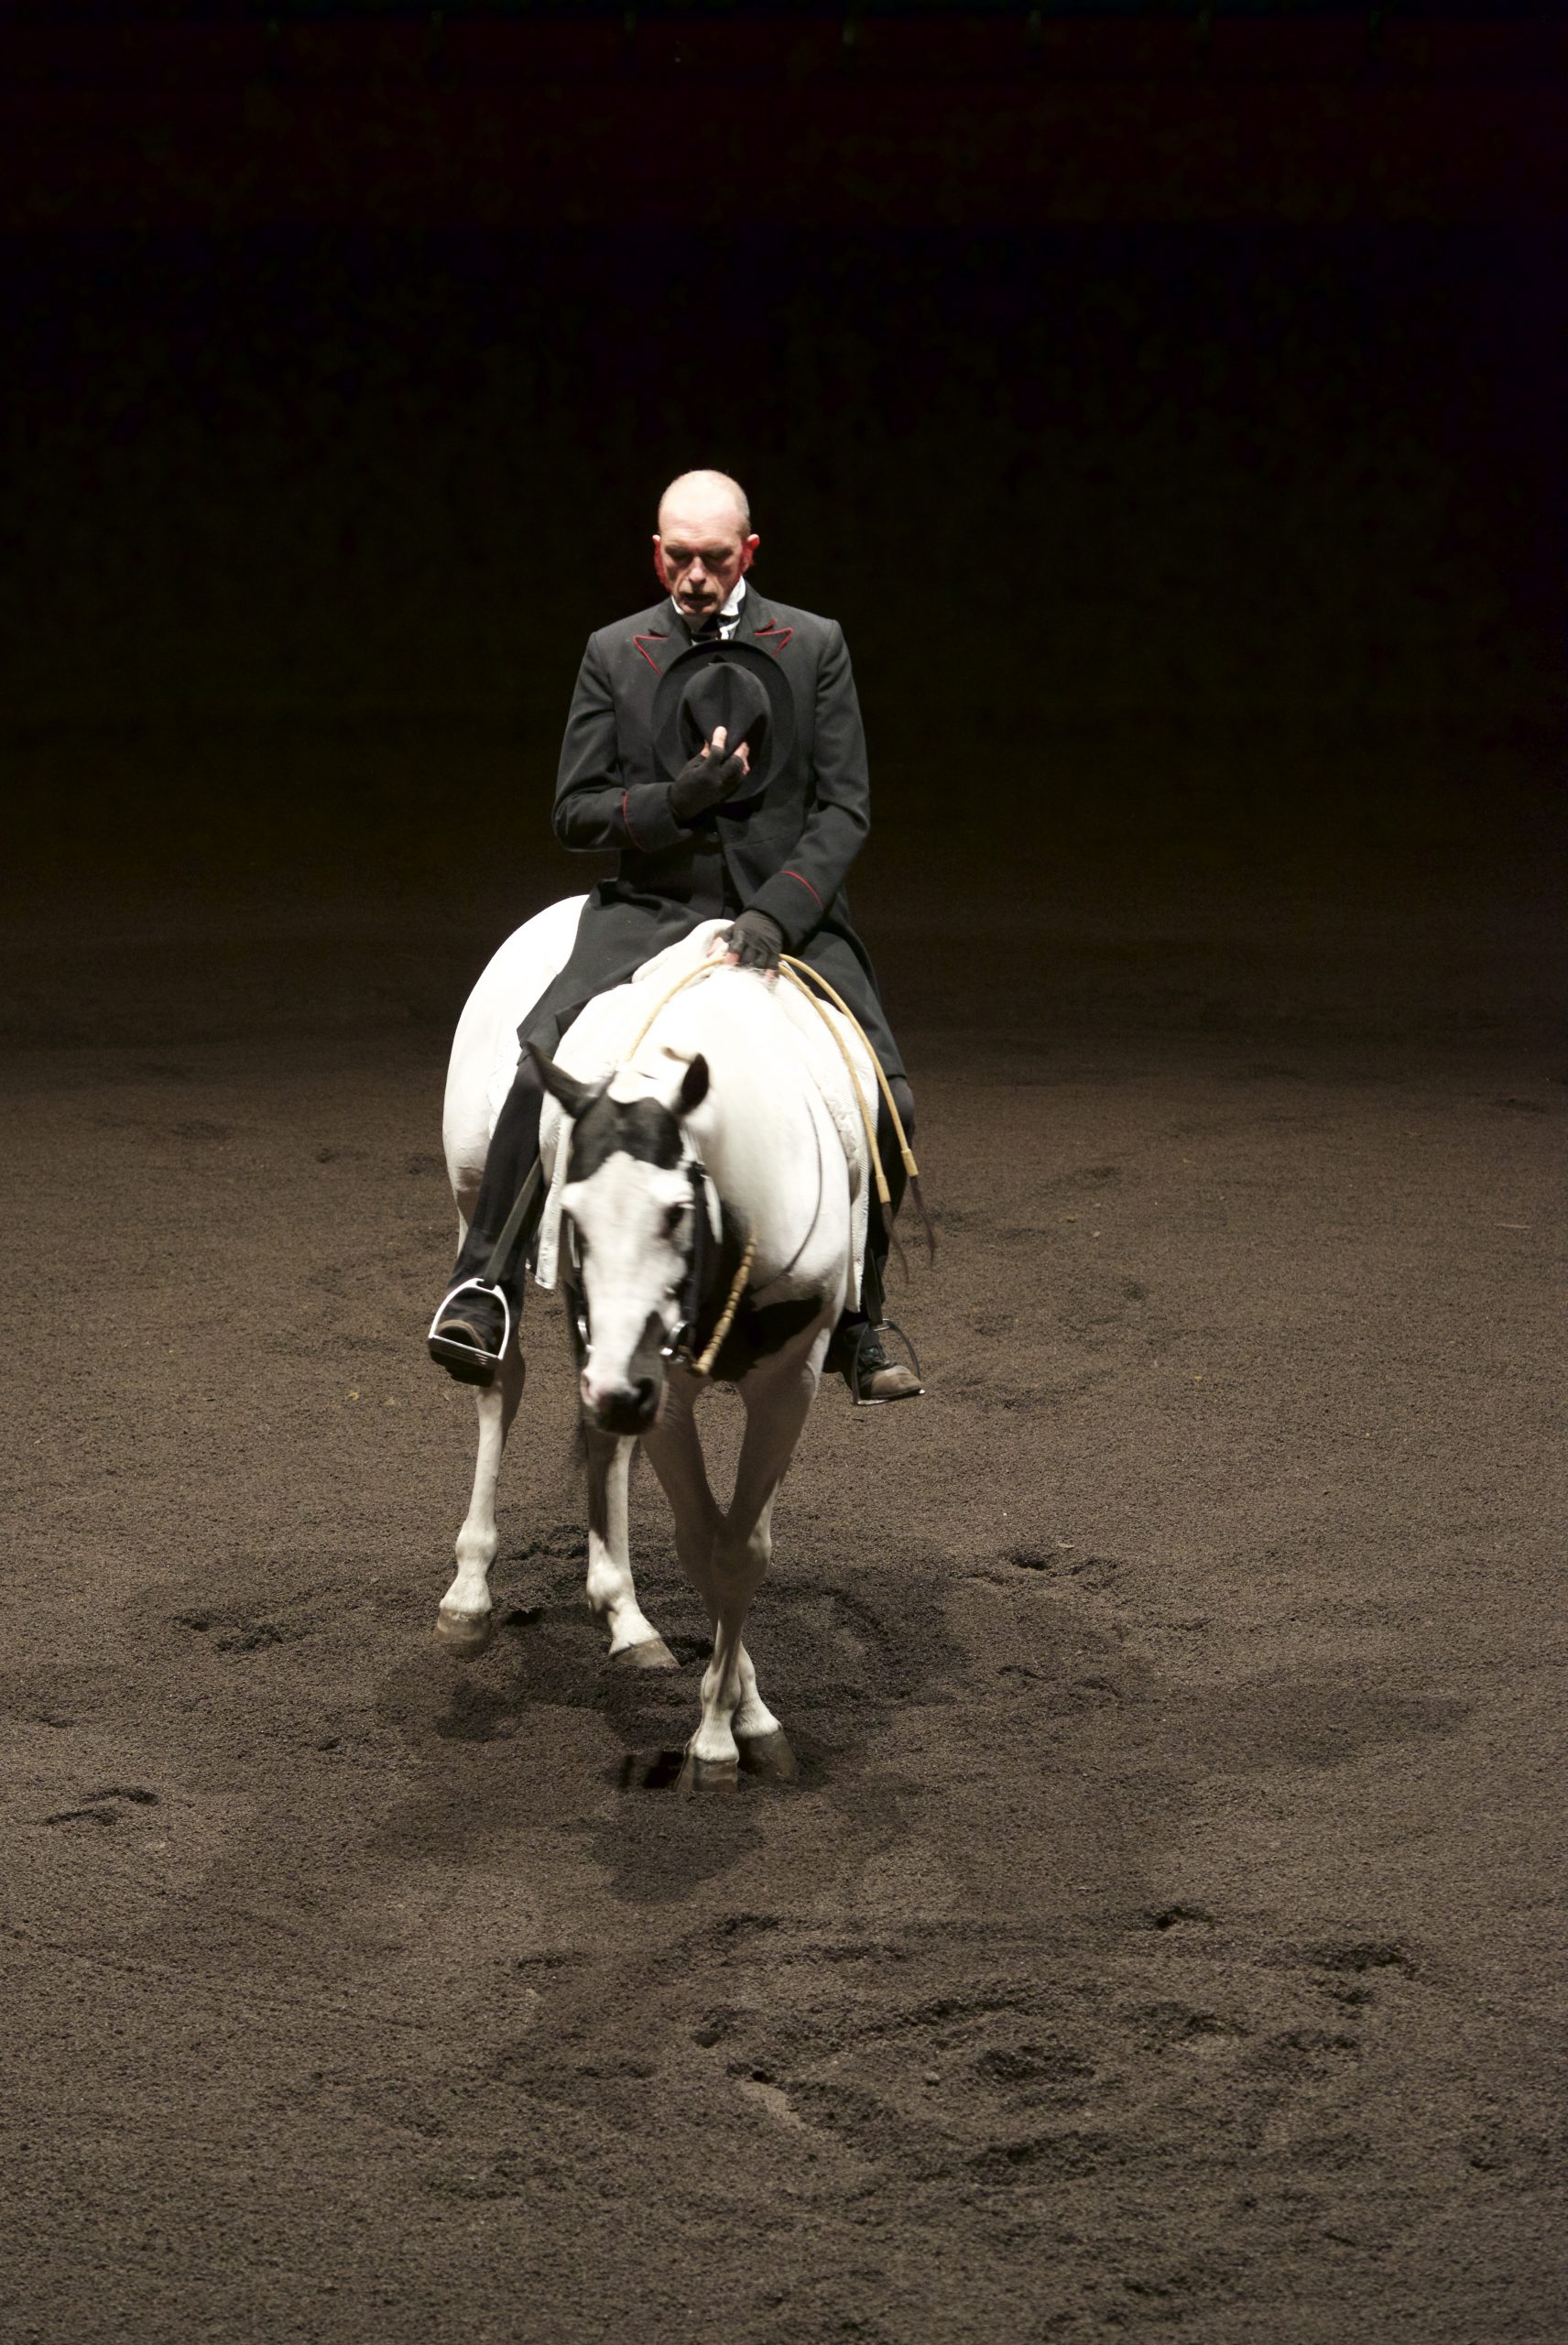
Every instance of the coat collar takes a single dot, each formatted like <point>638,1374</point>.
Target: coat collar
<point>674,622</point>
<point>666,635</point>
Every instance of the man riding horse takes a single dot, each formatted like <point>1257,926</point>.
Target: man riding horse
<point>764,831</point>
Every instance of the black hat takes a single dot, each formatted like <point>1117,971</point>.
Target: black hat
<point>732,684</point>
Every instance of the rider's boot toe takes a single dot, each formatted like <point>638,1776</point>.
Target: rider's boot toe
<point>871,1375</point>
<point>894,1382</point>
<point>468,1337</point>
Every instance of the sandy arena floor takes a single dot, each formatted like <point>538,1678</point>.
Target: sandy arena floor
<point>1165,1934</point>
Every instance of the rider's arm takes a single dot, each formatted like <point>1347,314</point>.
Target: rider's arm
<point>798,895</point>
<point>594,808</point>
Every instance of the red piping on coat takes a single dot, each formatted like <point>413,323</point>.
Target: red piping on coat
<point>630,833</point>
<point>783,636</point>
<point>642,642</point>
<point>805,883</point>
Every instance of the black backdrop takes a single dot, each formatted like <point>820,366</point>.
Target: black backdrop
<point>1145,535</point>
<point>1130,530</point>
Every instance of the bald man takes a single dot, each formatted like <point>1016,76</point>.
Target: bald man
<point>760,825</point>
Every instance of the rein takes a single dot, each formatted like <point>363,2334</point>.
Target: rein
<point>703,1365</point>
<point>679,1348</point>
<point>792,969</point>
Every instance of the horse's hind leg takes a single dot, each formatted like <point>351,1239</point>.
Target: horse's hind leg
<point>464,1623</point>
<point>634,1641</point>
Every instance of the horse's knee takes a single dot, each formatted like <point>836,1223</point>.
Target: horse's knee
<point>739,1564</point>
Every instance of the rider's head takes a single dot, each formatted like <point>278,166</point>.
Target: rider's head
<point>704,542</point>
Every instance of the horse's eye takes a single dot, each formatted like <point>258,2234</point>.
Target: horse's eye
<point>672,1219</point>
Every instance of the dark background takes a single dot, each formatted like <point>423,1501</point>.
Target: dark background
<point>1183,457</point>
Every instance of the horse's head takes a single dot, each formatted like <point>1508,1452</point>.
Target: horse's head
<point>630,1206</point>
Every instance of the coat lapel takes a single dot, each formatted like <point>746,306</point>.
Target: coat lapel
<point>759,626</point>
<point>660,636</point>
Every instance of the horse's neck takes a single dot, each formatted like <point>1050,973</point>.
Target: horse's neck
<point>757,1131</point>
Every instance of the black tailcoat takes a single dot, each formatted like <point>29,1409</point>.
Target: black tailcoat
<point>788,853</point>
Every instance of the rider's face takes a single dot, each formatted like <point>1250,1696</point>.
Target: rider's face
<point>698,553</point>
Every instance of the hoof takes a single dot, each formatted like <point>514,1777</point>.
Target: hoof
<point>464,1634</point>
<point>770,1757</point>
<point>702,1778</point>
<point>651,1653</point>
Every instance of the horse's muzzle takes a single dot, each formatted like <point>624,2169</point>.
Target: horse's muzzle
<point>628,1408</point>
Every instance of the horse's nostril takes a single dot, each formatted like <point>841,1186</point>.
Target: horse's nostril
<point>626,1408</point>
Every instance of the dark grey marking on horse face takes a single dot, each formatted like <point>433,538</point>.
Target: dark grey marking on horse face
<point>635,1128</point>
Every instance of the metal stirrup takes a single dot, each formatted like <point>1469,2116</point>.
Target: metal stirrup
<point>447,1349</point>
<point>487,1281</point>
<point>867,1334</point>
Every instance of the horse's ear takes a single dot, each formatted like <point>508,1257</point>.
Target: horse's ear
<point>573,1096</point>
<point>693,1085</point>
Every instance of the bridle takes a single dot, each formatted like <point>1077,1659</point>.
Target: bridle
<point>679,1348</point>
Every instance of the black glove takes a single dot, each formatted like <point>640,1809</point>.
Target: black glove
<point>756,940</point>
<point>711,777</point>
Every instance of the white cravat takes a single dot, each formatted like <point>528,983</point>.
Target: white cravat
<point>729,617</point>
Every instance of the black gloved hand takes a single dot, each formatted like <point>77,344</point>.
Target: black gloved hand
<point>756,941</point>
<point>708,778</point>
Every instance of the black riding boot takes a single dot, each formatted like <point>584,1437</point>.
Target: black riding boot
<point>856,1350</point>
<point>484,1304</point>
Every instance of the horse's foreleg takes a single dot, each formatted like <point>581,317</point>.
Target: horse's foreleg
<point>463,1622</point>
<point>634,1641</point>
<point>776,1410</point>
<point>675,1453</point>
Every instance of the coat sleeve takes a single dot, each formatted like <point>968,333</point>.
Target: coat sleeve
<point>799,896</point>
<point>594,808</point>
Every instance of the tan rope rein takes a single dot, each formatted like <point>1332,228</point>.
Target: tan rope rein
<point>793,968</point>
<point>704,1366</point>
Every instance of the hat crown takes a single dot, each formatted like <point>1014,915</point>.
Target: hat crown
<point>737,685</point>
<point>725,694</point>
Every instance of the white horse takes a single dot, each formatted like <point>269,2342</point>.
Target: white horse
<point>705,1155</point>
